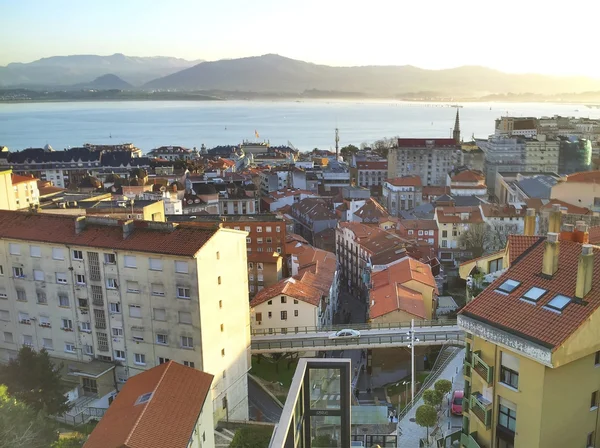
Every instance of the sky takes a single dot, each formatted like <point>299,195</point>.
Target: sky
<point>515,36</point>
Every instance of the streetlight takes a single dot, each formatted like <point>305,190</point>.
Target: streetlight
<point>411,333</point>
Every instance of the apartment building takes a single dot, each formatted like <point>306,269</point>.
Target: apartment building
<point>517,126</point>
<point>452,222</point>
<point>370,174</point>
<point>172,153</point>
<point>137,293</point>
<point>581,189</point>
<point>313,216</point>
<point>280,198</point>
<point>430,159</point>
<point>422,230</point>
<point>467,183</point>
<point>273,180</point>
<point>18,192</point>
<point>402,193</point>
<point>533,351</point>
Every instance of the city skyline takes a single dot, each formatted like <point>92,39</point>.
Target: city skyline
<point>344,35</point>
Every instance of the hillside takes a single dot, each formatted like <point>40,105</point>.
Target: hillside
<point>106,82</point>
<point>274,73</point>
<point>68,70</point>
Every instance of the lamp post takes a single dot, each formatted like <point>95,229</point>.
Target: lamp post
<point>411,333</point>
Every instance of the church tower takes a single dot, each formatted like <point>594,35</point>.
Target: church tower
<point>456,131</point>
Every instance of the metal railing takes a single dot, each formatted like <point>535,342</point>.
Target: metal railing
<point>81,416</point>
<point>482,368</point>
<point>365,326</point>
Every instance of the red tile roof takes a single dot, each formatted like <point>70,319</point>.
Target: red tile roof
<point>453,215</point>
<point>468,176</point>
<point>424,142</point>
<point>290,287</point>
<point>419,224</point>
<point>501,211</point>
<point>406,181</point>
<point>168,419</point>
<point>587,177</point>
<point>542,205</point>
<point>183,240</point>
<point>17,179</point>
<point>434,190</point>
<point>533,322</point>
<point>594,232</point>
<point>372,165</point>
<point>372,212</point>
<point>517,244</point>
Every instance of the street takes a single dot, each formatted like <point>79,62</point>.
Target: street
<point>261,406</point>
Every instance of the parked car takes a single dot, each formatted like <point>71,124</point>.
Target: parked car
<point>457,400</point>
<point>345,334</point>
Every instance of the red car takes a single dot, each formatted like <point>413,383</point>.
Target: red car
<point>457,400</point>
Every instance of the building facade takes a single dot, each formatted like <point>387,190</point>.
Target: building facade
<point>402,193</point>
<point>430,159</point>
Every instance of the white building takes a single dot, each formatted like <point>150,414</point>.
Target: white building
<point>94,291</point>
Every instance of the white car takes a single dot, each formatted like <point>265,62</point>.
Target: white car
<point>345,334</point>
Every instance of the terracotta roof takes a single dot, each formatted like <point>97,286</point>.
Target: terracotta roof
<point>17,179</point>
<point>371,212</point>
<point>447,215</point>
<point>373,239</point>
<point>372,165</point>
<point>533,322</point>
<point>419,224</point>
<point>542,205</point>
<point>291,287</point>
<point>434,190</point>
<point>406,181</point>
<point>425,142</point>
<point>167,419</point>
<point>588,177</point>
<point>468,176</point>
<point>184,240</point>
<point>594,232</point>
<point>315,209</point>
<point>263,257</point>
<point>501,211</point>
<point>517,244</point>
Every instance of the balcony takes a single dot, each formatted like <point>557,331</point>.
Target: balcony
<point>482,408</point>
<point>467,366</point>
<point>486,372</point>
<point>469,440</point>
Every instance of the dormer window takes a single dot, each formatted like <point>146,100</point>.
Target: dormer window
<point>508,286</point>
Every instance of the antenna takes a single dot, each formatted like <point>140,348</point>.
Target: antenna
<point>337,141</point>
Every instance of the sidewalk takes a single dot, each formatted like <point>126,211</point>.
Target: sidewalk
<point>411,432</point>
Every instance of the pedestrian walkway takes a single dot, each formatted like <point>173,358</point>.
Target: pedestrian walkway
<point>411,433</point>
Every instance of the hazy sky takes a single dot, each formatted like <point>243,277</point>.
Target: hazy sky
<point>511,35</point>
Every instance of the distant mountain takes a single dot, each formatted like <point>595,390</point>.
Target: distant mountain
<point>274,73</point>
<point>106,82</point>
<point>68,70</point>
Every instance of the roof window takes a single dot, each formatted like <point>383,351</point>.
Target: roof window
<point>508,286</point>
<point>558,303</point>
<point>144,398</point>
<point>534,294</point>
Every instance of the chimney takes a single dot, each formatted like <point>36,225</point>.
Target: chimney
<point>79,224</point>
<point>555,220</point>
<point>581,233</point>
<point>529,222</point>
<point>585,271</point>
<point>550,261</point>
<point>128,227</point>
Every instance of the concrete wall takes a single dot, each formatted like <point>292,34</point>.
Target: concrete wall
<point>7,195</point>
<point>307,314</point>
<point>576,193</point>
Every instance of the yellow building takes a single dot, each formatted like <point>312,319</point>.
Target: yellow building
<point>533,347</point>
<point>18,192</point>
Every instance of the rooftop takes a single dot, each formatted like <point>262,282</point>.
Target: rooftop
<point>372,165</point>
<point>17,179</point>
<point>406,181</point>
<point>426,143</point>
<point>588,177</point>
<point>155,409</point>
<point>468,176</point>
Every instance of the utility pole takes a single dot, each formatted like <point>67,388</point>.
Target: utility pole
<point>337,143</point>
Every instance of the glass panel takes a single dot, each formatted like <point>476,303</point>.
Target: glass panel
<point>559,302</point>
<point>324,388</point>
<point>503,420</point>
<point>325,432</point>
<point>509,286</point>
<point>534,294</point>
<point>512,424</point>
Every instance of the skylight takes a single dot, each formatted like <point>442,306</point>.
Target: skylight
<point>145,398</point>
<point>508,286</point>
<point>558,303</point>
<point>534,294</point>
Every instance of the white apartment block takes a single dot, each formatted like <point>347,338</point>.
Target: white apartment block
<point>128,294</point>
<point>430,159</point>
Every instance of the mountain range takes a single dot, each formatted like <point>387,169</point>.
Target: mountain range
<point>274,74</point>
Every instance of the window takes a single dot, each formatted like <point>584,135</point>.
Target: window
<point>219,280</point>
<point>283,299</point>
<point>507,417</point>
<point>189,364</point>
<point>135,311</point>
<point>277,229</point>
<point>259,266</point>
<point>86,327</point>
<point>508,286</point>
<point>247,228</point>
<point>162,339</point>
<point>38,275</point>
<point>130,261</point>
<point>295,302</point>
<point>508,376</point>
<point>5,315</point>
<point>224,374</point>
<point>63,300</point>
<point>220,304</point>
<point>80,279</point>
<point>57,253</point>
<point>116,331</point>
<point>140,359</point>
<point>250,265</point>
<point>295,313</point>
<point>284,315</point>
<point>259,229</point>
<point>77,255</point>
<point>185,317</point>
<point>594,400</point>
<point>35,251</point>
<point>248,240</point>
<point>160,314</point>
<point>69,347</point>
<point>111,283</point>
<point>597,359</point>
<point>444,234</point>
<point>8,337</point>
<point>259,240</point>
<point>270,314</point>
<point>88,350</point>
<point>251,277</point>
<point>28,340</point>
<point>120,355</point>
<point>114,307</point>
<point>183,292</point>
<point>21,296</point>
<point>558,303</point>
<point>155,264</point>
<point>590,440</point>
<point>18,273</point>
<point>534,294</point>
<point>66,324</point>
<point>1,270</point>
<point>270,302</point>
<point>47,344</point>
<point>14,249</point>
<point>61,278</point>
<point>181,267</point>
<point>495,265</point>
<point>110,258</point>
<point>45,321</point>
<point>187,342</point>
<point>133,287</point>
<point>222,352</point>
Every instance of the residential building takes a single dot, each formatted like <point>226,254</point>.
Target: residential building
<point>402,193</point>
<point>238,200</point>
<point>313,216</point>
<point>517,126</point>
<point>371,174</point>
<point>467,183</point>
<point>581,189</point>
<point>570,213</point>
<point>373,213</point>
<point>518,187</point>
<point>575,155</point>
<point>167,405</point>
<point>274,180</point>
<point>452,222</point>
<point>147,210</point>
<point>501,221</point>
<point>401,292</point>
<point>471,156</point>
<point>18,192</point>
<point>334,175</point>
<point>430,159</point>
<point>133,294</point>
<point>279,199</point>
<point>431,192</point>
<point>532,347</point>
<point>171,153</point>
<point>424,231</point>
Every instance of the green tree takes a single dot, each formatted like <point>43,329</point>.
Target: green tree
<point>323,441</point>
<point>347,151</point>
<point>23,427</point>
<point>443,386</point>
<point>432,397</point>
<point>252,437</point>
<point>34,380</point>
<point>426,416</point>
<point>70,442</point>
<point>475,239</point>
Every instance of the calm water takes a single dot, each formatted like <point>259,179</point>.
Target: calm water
<point>305,124</point>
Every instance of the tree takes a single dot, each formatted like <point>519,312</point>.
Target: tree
<point>69,442</point>
<point>474,239</point>
<point>348,151</point>
<point>252,437</point>
<point>323,441</point>
<point>443,386</point>
<point>433,397</point>
<point>23,427</point>
<point>426,416</point>
<point>32,379</point>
